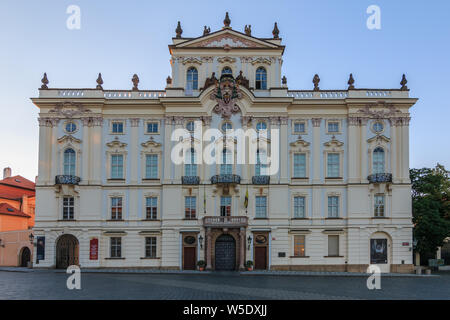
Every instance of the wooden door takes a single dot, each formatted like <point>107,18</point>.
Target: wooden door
<point>261,258</point>
<point>189,258</point>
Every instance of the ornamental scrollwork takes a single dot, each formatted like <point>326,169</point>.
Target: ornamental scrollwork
<point>226,93</point>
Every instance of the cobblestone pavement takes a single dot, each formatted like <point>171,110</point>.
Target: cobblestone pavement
<point>52,285</point>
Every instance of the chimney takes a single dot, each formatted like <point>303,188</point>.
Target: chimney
<point>6,172</point>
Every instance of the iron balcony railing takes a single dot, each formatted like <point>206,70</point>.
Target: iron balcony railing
<point>226,178</point>
<point>190,180</point>
<point>261,179</point>
<point>67,179</point>
<point>227,221</point>
<point>380,178</point>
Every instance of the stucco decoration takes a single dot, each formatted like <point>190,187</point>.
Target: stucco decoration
<point>69,109</point>
<point>333,143</point>
<point>191,60</point>
<point>299,143</point>
<point>68,139</point>
<point>116,143</point>
<point>226,39</point>
<point>261,60</point>
<point>151,145</point>
<point>226,93</point>
<point>380,114</point>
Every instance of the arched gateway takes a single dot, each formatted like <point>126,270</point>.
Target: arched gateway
<point>25,256</point>
<point>225,253</point>
<point>67,250</point>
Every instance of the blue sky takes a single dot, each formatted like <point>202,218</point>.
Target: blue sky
<point>120,38</point>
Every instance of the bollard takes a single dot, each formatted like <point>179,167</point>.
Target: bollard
<point>428,271</point>
<point>418,271</point>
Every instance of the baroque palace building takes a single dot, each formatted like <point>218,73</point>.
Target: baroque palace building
<point>109,195</point>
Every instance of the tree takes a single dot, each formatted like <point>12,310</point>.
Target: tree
<point>431,207</point>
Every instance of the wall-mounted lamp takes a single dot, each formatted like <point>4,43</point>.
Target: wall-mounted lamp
<point>31,237</point>
<point>249,242</point>
<point>200,241</point>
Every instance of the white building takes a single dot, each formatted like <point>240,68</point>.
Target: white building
<point>109,195</point>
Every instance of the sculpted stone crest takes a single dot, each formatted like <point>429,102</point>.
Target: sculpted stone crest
<point>226,93</point>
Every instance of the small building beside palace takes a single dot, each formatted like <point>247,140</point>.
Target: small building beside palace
<point>110,195</point>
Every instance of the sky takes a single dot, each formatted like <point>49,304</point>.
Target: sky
<point>120,38</point>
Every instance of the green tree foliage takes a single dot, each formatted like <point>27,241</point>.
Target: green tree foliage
<point>431,207</point>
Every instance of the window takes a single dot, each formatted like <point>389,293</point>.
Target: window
<point>116,208</point>
<point>117,127</point>
<point>261,79</point>
<point>261,126</point>
<point>299,207</point>
<point>333,245</point>
<point>378,160</point>
<point>299,246</point>
<point>261,207</point>
<point>68,208</point>
<point>225,206</point>
<point>116,247</point>
<point>190,126</point>
<point>333,126</point>
<point>299,127</point>
<point>227,70</point>
<point>379,205</point>
<point>151,166</point>
<point>226,126</point>
<point>151,208</point>
<point>117,166</point>
<point>71,127</point>
<point>261,162</point>
<point>378,127</point>
<point>333,207</point>
<point>150,247</point>
<point>69,162</point>
<point>152,127</point>
<point>190,166</point>
<point>333,165</point>
<point>299,165</point>
<point>190,207</point>
<point>192,79</point>
<point>226,167</point>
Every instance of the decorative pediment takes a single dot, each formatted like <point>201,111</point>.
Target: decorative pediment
<point>379,110</point>
<point>68,139</point>
<point>69,109</point>
<point>333,143</point>
<point>379,138</point>
<point>192,60</point>
<point>260,60</point>
<point>226,59</point>
<point>299,143</point>
<point>151,143</point>
<point>116,143</point>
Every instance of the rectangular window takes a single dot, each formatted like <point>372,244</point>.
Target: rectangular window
<point>299,165</point>
<point>225,206</point>
<point>299,127</point>
<point>333,127</point>
<point>333,207</point>
<point>150,247</point>
<point>151,208</point>
<point>116,208</point>
<point>299,246</point>
<point>116,247</point>
<point>333,165</point>
<point>152,127</point>
<point>117,166</point>
<point>190,204</point>
<point>333,245</point>
<point>151,166</point>
<point>68,208</point>
<point>117,127</point>
<point>379,206</point>
<point>261,207</point>
<point>299,207</point>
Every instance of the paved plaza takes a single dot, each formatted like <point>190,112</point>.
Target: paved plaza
<point>48,284</point>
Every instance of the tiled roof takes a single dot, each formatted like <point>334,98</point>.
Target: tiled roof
<point>10,210</point>
<point>18,181</point>
<point>10,192</point>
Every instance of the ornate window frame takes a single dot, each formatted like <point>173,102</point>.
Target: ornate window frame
<point>151,234</point>
<point>148,148</point>
<point>338,121</point>
<point>300,146</point>
<point>333,146</point>
<point>77,127</point>
<point>69,142</point>
<point>158,205</point>
<point>384,143</point>
<point>256,67</point>
<point>116,147</point>
<point>76,205</point>
<point>340,204</point>
<point>262,192</point>
<point>230,143</point>
<point>147,121</point>
<point>110,197</point>
<point>304,121</point>
<point>124,125</point>
<point>293,196</point>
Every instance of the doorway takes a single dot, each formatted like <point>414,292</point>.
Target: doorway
<point>66,251</point>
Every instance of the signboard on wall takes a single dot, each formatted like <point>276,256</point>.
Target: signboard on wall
<point>93,249</point>
<point>40,248</point>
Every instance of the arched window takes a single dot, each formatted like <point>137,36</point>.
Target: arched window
<point>190,167</point>
<point>378,160</point>
<point>261,162</point>
<point>226,167</point>
<point>261,79</point>
<point>192,79</point>
<point>69,162</point>
<point>227,70</point>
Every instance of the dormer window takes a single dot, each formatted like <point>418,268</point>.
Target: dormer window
<point>227,70</point>
<point>261,79</point>
<point>192,79</point>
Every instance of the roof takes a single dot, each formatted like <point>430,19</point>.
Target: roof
<point>14,193</point>
<point>18,181</point>
<point>7,209</point>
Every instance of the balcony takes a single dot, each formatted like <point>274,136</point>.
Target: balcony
<point>226,179</point>
<point>380,178</point>
<point>225,222</point>
<point>67,179</point>
<point>190,180</point>
<point>260,180</point>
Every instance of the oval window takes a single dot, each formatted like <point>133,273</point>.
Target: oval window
<point>71,127</point>
<point>189,240</point>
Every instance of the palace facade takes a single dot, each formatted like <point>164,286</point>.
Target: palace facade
<point>110,195</point>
